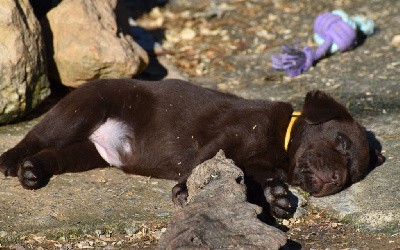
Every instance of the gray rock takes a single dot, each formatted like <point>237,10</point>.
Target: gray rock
<point>23,80</point>
<point>88,43</point>
<point>3,234</point>
<point>217,214</point>
<point>298,201</point>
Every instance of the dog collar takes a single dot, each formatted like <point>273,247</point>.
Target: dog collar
<point>295,116</point>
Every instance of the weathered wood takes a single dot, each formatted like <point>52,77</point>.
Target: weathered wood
<point>217,214</point>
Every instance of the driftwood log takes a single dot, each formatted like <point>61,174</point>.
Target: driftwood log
<point>217,215</point>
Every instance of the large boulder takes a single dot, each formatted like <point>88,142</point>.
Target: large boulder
<point>23,80</point>
<point>217,215</point>
<point>89,43</point>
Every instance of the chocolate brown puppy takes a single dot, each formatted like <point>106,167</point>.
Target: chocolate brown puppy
<point>164,129</point>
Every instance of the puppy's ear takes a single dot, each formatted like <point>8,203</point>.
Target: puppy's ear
<point>319,107</point>
<point>376,158</point>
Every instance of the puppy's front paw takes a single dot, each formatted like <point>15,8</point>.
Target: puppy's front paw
<point>9,163</point>
<point>180,194</point>
<point>32,176</point>
<point>276,194</point>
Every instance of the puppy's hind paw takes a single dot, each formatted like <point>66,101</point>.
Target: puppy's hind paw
<point>276,195</point>
<point>8,164</point>
<point>32,176</point>
<point>180,194</point>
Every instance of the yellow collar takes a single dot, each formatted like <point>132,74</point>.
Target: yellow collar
<point>295,116</point>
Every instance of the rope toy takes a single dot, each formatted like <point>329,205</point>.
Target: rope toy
<point>333,32</point>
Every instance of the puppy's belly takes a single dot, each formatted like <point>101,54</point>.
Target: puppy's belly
<point>113,141</point>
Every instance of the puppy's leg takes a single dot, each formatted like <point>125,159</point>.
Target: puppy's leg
<point>35,171</point>
<point>179,191</point>
<point>65,124</point>
<point>276,194</point>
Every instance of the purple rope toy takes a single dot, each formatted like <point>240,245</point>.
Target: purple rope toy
<point>334,31</point>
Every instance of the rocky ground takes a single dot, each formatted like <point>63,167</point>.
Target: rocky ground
<point>227,45</point>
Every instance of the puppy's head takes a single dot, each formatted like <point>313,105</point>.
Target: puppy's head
<point>329,149</point>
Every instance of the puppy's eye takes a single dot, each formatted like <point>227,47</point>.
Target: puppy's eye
<point>343,143</point>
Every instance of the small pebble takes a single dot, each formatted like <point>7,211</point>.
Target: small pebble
<point>285,222</point>
<point>157,234</point>
<point>98,232</point>
<point>187,34</point>
<point>395,41</point>
<point>67,246</point>
<point>131,230</point>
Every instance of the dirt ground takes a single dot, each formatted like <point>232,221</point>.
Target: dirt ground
<point>316,230</point>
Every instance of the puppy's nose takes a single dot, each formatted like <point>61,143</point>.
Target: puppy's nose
<point>335,177</point>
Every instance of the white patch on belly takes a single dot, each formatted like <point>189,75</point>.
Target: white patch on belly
<point>112,139</point>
